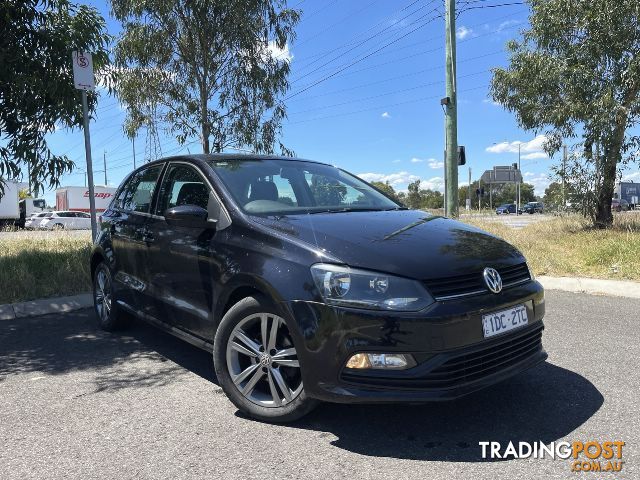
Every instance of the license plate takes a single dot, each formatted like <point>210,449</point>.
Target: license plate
<point>503,321</point>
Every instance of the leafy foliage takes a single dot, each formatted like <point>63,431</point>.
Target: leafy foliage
<point>36,82</point>
<point>206,68</point>
<point>576,73</point>
<point>387,189</point>
<point>327,192</point>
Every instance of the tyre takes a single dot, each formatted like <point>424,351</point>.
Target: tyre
<point>58,226</point>
<point>257,365</point>
<point>107,312</point>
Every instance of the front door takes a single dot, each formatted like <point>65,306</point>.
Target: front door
<point>182,263</point>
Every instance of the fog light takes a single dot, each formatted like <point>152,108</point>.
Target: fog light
<point>386,361</point>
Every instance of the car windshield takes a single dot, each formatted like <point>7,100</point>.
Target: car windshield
<point>285,187</point>
<point>506,205</point>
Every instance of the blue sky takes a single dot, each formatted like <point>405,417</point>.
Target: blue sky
<point>380,116</point>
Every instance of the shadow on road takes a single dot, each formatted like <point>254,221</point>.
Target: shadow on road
<point>137,357</point>
<point>543,404</point>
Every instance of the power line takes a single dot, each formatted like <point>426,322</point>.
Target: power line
<point>404,90</point>
<point>355,62</point>
<point>381,107</point>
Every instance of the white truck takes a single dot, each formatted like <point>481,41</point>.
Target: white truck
<point>77,198</point>
<point>9,209</point>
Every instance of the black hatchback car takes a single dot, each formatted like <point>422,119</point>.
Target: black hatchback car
<point>306,284</point>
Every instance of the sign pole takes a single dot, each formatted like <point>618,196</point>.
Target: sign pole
<point>87,148</point>
<point>83,80</point>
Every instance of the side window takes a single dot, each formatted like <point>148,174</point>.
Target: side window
<point>137,194</point>
<point>182,185</point>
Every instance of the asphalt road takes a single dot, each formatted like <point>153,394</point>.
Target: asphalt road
<point>79,403</point>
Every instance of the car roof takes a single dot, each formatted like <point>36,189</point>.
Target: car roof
<point>229,157</point>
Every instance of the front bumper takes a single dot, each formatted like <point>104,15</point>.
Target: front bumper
<point>453,357</point>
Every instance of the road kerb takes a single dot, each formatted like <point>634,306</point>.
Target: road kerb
<point>594,286</point>
<point>45,306</point>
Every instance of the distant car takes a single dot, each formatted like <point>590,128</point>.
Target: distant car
<point>66,221</point>
<point>506,209</point>
<point>33,222</point>
<point>532,207</point>
<point>620,204</point>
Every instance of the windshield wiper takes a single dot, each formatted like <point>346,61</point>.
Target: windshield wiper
<point>348,209</point>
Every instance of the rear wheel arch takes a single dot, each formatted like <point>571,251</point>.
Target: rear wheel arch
<point>96,259</point>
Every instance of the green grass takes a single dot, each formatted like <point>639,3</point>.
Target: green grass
<point>568,246</point>
<point>39,266</point>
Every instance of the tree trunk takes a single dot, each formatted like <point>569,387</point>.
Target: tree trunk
<point>608,167</point>
<point>204,121</point>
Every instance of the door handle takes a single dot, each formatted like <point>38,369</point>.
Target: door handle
<point>147,237</point>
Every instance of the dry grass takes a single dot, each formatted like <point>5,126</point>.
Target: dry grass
<point>35,265</point>
<point>38,266</point>
<point>567,246</point>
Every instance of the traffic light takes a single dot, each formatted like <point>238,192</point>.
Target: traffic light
<point>462,157</point>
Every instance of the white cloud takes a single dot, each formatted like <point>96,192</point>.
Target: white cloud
<point>463,32</point>
<point>400,180</point>
<point>282,54</point>
<point>435,164</point>
<point>635,177</point>
<point>417,160</point>
<point>386,115</point>
<point>534,155</point>
<point>397,160</point>
<point>540,181</point>
<point>435,183</point>
<point>534,146</point>
<point>507,24</point>
<point>491,101</point>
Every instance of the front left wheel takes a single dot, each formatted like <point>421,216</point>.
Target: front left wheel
<point>256,363</point>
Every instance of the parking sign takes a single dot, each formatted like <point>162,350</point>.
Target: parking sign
<point>83,71</point>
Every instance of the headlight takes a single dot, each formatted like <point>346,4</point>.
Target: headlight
<point>351,287</point>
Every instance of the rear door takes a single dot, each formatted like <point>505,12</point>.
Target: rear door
<point>127,222</point>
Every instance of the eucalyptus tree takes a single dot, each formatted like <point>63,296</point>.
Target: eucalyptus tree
<point>576,74</point>
<point>37,94</point>
<point>216,70</point>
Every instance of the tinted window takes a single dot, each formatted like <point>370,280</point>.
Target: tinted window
<point>137,194</point>
<point>182,185</point>
<point>282,186</point>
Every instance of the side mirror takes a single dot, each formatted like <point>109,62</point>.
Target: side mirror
<point>190,216</point>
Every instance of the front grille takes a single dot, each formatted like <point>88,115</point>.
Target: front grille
<point>467,367</point>
<point>473,283</point>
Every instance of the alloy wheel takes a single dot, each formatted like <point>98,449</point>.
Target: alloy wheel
<point>262,361</point>
<point>102,295</point>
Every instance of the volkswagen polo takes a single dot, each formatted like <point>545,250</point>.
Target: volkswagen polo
<point>308,284</point>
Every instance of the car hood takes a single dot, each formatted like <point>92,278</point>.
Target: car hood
<point>410,243</point>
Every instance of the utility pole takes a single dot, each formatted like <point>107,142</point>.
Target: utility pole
<point>133,143</point>
<point>451,113</point>
<point>104,161</point>
<point>564,166</point>
<point>519,181</point>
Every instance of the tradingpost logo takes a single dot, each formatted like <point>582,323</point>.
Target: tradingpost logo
<point>590,456</point>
